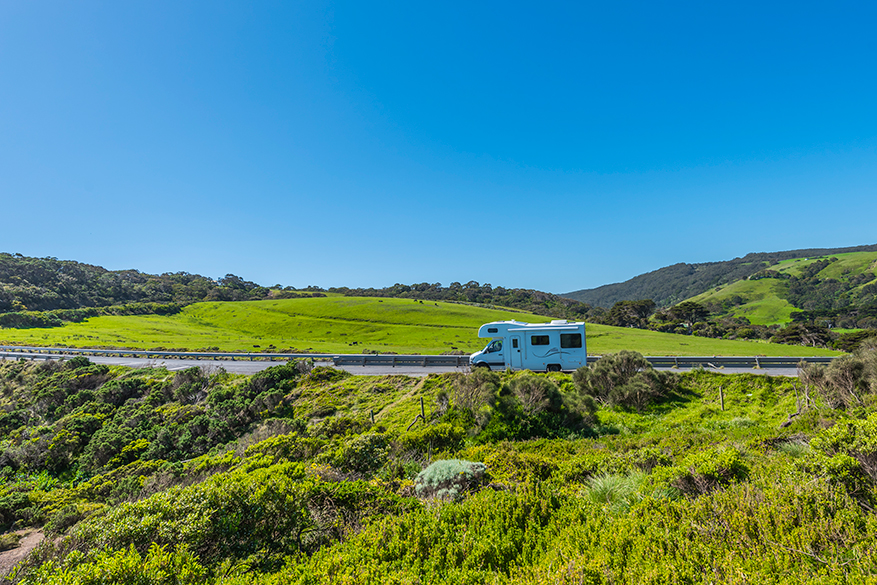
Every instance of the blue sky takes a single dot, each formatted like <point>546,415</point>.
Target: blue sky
<point>555,146</point>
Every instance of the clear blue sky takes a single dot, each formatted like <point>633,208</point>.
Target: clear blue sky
<point>555,146</point>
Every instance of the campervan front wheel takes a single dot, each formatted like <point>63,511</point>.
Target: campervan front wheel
<point>481,365</point>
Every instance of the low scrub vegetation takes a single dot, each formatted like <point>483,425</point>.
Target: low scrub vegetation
<point>616,474</point>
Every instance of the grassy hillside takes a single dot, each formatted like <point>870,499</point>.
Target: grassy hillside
<point>760,301</point>
<point>765,300</point>
<point>673,284</point>
<point>351,325</point>
<point>849,264</point>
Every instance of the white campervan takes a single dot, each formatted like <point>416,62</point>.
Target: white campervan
<point>555,346</point>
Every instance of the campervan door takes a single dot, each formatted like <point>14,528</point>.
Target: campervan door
<point>552,347</point>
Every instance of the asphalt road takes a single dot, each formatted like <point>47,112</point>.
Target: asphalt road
<point>251,367</point>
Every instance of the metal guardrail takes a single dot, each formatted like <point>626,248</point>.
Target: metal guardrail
<point>337,359</point>
<point>403,360</point>
<point>729,361</point>
<point>457,361</point>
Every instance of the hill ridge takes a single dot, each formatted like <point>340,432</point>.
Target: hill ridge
<point>675,283</point>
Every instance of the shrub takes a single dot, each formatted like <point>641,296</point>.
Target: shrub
<point>157,567</point>
<point>189,385</point>
<point>339,426</point>
<point>14,506</point>
<point>857,438</point>
<point>705,471</point>
<point>476,392</point>
<point>509,464</point>
<point>361,455</point>
<point>449,479</point>
<point>231,515</point>
<point>624,379</point>
<point>848,381</point>
<point>282,377</point>
<point>291,447</point>
<point>77,362</point>
<point>324,375</point>
<point>535,394</point>
<point>847,453</point>
<point>9,541</point>
<point>67,517</point>
<point>438,437</point>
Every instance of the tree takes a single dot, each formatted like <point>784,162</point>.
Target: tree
<point>630,313</point>
<point>689,312</point>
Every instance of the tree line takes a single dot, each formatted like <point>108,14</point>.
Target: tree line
<point>45,292</point>
<point>472,292</point>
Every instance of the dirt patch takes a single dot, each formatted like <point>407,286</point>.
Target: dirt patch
<point>30,538</point>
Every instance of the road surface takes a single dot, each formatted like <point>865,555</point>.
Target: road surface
<point>251,367</point>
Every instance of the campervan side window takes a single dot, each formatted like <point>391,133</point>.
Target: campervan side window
<point>539,340</point>
<point>492,330</point>
<point>570,340</point>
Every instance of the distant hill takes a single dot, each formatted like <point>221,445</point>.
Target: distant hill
<point>836,290</point>
<point>672,284</point>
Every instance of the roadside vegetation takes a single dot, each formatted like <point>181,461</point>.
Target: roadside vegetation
<point>615,474</point>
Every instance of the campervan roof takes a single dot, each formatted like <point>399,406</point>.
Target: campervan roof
<point>496,328</point>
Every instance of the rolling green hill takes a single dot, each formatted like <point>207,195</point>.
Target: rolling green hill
<point>673,284</point>
<point>352,325</point>
<point>760,301</point>
<point>838,286</point>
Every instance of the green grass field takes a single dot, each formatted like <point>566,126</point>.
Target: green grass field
<point>351,325</point>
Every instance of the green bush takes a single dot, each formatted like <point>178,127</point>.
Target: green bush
<point>291,447</point>
<point>847,453</point>
<point>450,479</point>
<point>14,506</point>
<point>476,393</point>
<point>437,437</point>
<point>232,515</point>
<point>158,566</point>
<point>847,382</point>
<point>361,455</point>
<point>325,375</point>
<point>624,379</point>
<point>703,472</point>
